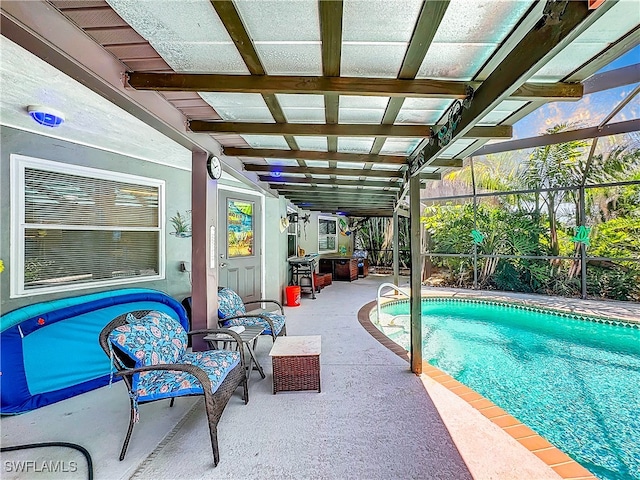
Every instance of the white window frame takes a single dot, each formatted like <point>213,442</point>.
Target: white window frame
<point>335,220</point>
<point>18,226</point>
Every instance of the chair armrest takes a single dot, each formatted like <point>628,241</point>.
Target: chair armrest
<point>248,315</point>
<point>268,301</point>
<point>226,331</point>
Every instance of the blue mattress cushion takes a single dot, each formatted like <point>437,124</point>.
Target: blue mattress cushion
<point>276,318</point>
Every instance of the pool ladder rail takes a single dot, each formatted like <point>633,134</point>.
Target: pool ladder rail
<point>388,323</point>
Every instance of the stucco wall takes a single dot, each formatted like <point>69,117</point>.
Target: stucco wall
<point>308,240</point>
<point>178,199</point>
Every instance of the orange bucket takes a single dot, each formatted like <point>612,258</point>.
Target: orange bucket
<point>293,295</point>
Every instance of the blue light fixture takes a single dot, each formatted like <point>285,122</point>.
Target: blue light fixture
<point>46,116</point>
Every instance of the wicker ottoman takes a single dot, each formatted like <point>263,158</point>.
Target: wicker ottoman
<point>296,363</point>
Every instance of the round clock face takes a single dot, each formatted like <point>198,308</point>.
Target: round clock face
<point>214,168</point>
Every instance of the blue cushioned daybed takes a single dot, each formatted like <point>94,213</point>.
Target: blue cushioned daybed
<point>49,351</point>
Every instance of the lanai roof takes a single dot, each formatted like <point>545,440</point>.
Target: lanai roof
<point>335,103</point>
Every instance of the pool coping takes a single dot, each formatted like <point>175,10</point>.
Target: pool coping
<point>556,459</point>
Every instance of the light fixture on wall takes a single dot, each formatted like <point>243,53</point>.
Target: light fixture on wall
<point>47,116</point>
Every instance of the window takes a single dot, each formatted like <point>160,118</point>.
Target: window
<point>240,228</point>
<point>292,235</point>
<point>327,235</point>
<point>77,227</point>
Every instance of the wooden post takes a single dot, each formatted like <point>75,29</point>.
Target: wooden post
<point>204,265</point>
<point>396,248</point>
<point>416,276</point>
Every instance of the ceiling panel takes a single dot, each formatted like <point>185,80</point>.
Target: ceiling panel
<point>311,143</point>
<point>190,39</point>
<point>399,146</point>
<point>279,58</point>
<point>283,161</point>
<point>302,108</point>
<point>355,144</point>
<point>621,17</point>
<point>379,20</point>
<point>372,60</point>
<point>267,20</point>
<point>266,141</point>
<point>241,107</point>
<point>480,21</point>
<point>470,32</point>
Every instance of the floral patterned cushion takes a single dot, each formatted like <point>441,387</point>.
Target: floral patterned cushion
<point>230,304</point>
<point>153,339</point>
<point>276,318</point>
<point>159,384</point>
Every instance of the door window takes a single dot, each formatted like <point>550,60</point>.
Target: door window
<point>240,228</point>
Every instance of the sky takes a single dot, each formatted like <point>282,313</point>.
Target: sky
<point>587,112</point>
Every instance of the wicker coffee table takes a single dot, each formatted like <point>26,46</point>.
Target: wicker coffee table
<point>296,363</point>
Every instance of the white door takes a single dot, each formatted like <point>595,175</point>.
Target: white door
<point>239,243</point>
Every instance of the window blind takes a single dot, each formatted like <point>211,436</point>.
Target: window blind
<point>79,229</point>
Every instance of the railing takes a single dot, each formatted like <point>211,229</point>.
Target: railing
<point>378,296</point>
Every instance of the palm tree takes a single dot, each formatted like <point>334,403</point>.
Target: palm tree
<point>554,166</point>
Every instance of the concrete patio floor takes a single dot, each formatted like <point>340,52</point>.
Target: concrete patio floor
<point>374,419</point>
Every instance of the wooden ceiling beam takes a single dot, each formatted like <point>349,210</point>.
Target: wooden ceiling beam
<point>364,202</point>
<point>337,156</point>
<point>560,24</point>
<point>339,193</point>
<point>431,15</point>
<point>314,155</point>
<point>350,172</point>
<point>386,87</point>
<point>331,181</point>
<point>294,189</point>
<point>343,200</point>
<point>561,137</point>
<point>330,12</point>
<point>342,130</point>
<point>232,22</point>
<point>351,183</point>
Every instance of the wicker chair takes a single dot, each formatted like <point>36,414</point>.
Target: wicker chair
<point>232,311</point>
<point>162,368</point>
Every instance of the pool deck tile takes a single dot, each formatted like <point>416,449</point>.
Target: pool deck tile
<point>572,470</point>
<point>491,412</point>
<point>480,402</point>
<point>519,431</point>
<point>555,458</point>
<point>535,443</point>
<point>505,421</point>
<point>552,456</point>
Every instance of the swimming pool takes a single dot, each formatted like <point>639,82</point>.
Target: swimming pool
<point>575,382</point>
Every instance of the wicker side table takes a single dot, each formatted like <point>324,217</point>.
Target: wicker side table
<point>296,363</point>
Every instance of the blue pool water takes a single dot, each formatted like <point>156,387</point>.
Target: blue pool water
<point>575,382</point>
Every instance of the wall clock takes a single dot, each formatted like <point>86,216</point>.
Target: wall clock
<point>214,168</point>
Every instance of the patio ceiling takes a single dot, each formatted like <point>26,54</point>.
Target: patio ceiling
<point>333,104</point>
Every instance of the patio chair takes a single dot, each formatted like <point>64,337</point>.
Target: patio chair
<point>148,349</point>
<point>232,311</point>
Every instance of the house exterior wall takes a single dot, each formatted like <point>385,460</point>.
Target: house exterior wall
<point>309,240</point>
<point>177,199</point>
